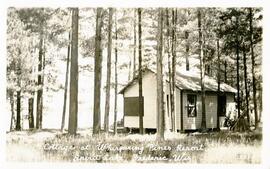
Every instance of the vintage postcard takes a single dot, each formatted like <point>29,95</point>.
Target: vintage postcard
<point>105,83</point>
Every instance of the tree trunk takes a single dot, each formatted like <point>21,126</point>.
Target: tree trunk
<point>218,80</point>
<point>108,83</point>
<point>73,91</point>
<point>246,85</point>
<point>66,86</point>
<point>12,118</point>
<point>238,75</point>
<point>18,119</point>
<point>42,80</point>
<point>187,50</point>
<point>160,94</point>
<point>140,72</point>
<point>39,83</point>
<point>253,67</point>
<point>31,112</point>
<point>169,68</point>
<point>18,106</point>
<point>98,71</point>
<point>174,19</point>
<point>225,71</point>
<point>116,80</point>
<point>135,44</point>
<point>201,55</point>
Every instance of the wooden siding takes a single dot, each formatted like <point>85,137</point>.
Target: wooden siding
<point>149,94</point>
<point>211,111</point>
<point>192,123</point>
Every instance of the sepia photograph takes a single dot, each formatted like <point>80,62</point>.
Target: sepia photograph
<point>143,85</point>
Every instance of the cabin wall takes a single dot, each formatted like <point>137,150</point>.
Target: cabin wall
<point>149,94</point>
<point>192,123</point>
<point>189,123</point>
<point>211,111</point>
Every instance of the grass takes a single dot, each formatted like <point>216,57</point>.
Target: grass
<point>215,147</point>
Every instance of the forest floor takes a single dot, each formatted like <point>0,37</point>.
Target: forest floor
<point>51,145</point>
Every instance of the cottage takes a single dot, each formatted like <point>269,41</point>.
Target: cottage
<point>188,111</point>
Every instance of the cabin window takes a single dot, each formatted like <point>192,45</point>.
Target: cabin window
<point>191,105</point>
<point>131,106</point>
<point>222,105</point>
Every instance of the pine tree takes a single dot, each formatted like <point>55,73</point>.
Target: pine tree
<point>39,82</point>
<point>168,49</point>
<point>218,81</point>
<point>73,101</point>
<point>66,84</point>
<point>18,107</point>
<point>140,71</point>
<point>174,19</point>
<point>98,71</point>
<point>108,83</point>
<point>253,67</point>
<point>135,43</point>
<point>246,83</point>
<point>115,78</point>
<point>160,105</point>
<point>237,68</point>
<point>201,56</point>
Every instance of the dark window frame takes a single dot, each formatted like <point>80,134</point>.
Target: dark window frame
<point>191,106</point>
<point>131,106</point>
<point>222,105</point>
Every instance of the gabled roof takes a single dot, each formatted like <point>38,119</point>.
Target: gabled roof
<point>135,79</point>
<point>192,81</point>
<point>187,80</point>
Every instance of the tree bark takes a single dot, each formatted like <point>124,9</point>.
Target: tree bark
<point>169,68</point>
<point>218,80</point>
<point>116,80</point>
<point>246,84</point>
<point>140,72</point>
<point>39,83</point>
<point>225,71</point>
<point>237,70</point>
<point>202,71</point>
<point>31,112</point>
<point>18,97</point>
<point>253,67</point>
<point>187,50</point>
<point>18,119</point>
<point>174,19</point>
<point>98,71</point>
<point>160,94</point>
<point>108,83</point>
<point>12,118</point>
<point>42,81</point>
<point>73,91</point>
<point>66,85</point>
<point>135,44</point>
